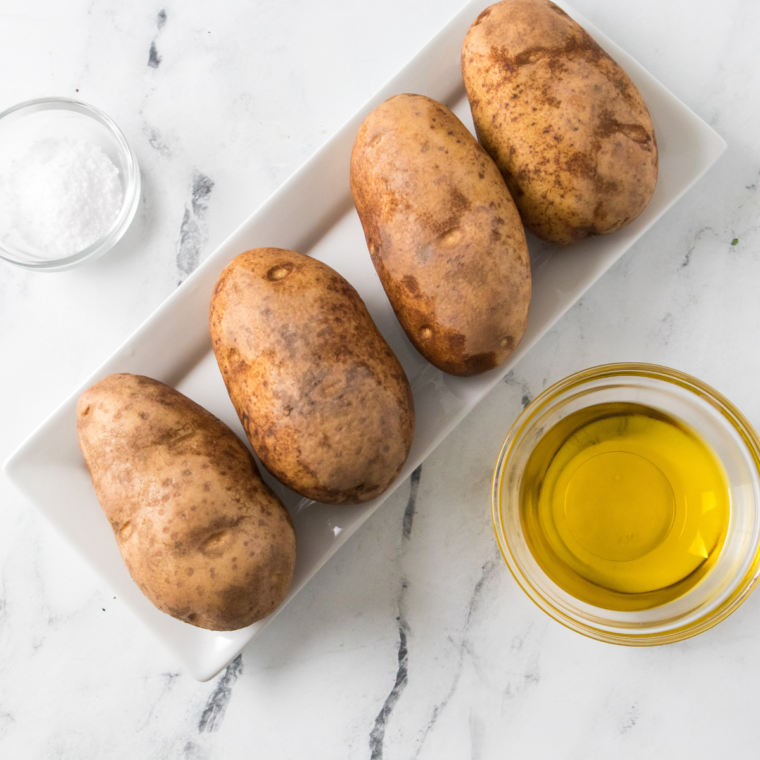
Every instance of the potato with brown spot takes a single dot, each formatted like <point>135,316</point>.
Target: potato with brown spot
<point>322,398</point>
<point>565,124</point>
<point>444,234</point>
<point>201,534</point>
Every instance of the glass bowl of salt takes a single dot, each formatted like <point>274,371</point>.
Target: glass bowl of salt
<point>69,184</point>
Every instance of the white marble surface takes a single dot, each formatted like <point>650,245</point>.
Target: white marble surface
<point>402,647</point>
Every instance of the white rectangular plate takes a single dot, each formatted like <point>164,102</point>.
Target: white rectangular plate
<point>313,213</point>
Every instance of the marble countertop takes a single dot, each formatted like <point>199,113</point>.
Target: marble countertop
<point>410,643</point>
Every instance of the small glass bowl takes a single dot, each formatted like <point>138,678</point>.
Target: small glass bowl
<point>25,124</point>
<point>718,423</point>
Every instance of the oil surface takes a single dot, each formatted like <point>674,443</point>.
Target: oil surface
<point>623,506</point>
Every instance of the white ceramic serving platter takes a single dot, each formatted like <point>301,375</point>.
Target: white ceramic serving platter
<point>313,213</point>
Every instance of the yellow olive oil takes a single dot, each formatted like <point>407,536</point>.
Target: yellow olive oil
<point>623,506</point>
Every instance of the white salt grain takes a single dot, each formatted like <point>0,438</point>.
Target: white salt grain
<point>66,195</point>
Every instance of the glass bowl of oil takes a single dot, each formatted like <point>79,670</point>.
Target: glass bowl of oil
<point>626,503</point>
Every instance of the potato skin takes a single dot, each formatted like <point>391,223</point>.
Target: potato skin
<point>201,534</point>
<point>323,399</point>
<point>566,126</point>
<point>444,234</point>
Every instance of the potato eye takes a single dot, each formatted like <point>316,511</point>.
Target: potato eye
<point>279,272</point>
<point>214,541</point>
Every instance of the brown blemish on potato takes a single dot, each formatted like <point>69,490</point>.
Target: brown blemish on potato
<point>456,342</point>
<point>410,282</point>
<point>531,55</point>
<point>608,126</point>
<point>480,363</point>
<point>126,530</point>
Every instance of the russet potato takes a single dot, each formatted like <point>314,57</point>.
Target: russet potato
<point>565,124</point>
<point>323,400</point>
<point>443,233</point>
<point>201,534</point>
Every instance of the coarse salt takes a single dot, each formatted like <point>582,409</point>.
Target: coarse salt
<point>66,194</point>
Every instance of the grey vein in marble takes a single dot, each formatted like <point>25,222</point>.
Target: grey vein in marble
<point>154,59</point>
<point>193,232</point>
<point>6,720</point>
<point>192,751</point>
<point>411,505</point>
<point>169,680</point>
<point>213,713</point>
<point>377,735</point>
<point>697,238</point>
<point>527,395</point>
<point>156,141</point>
<point>630,720</point>
<point>665,328</point>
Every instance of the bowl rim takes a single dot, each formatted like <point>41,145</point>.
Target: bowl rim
<point>132,186</point>
<point>740,424</point>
